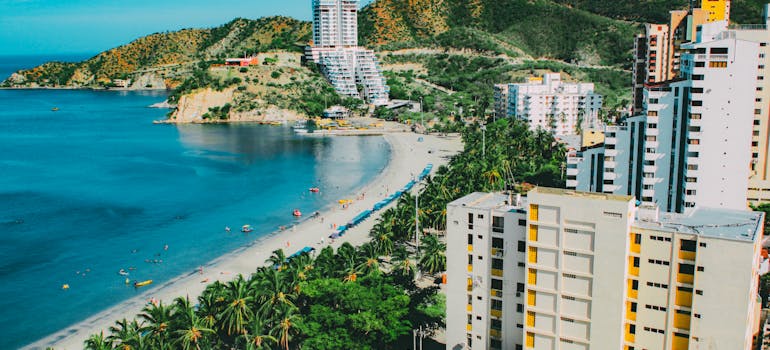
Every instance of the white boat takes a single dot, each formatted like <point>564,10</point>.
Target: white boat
<point>300,127</point>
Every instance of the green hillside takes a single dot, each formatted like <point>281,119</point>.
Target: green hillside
<point>656,11</point>
<point>171,55</point>
<point>539,28</point>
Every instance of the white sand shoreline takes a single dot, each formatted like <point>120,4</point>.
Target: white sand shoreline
<point>408,157</point>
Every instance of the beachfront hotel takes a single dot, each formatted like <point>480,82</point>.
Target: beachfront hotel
<point>550,104</point>
<point>335,49</point>
<point>572,270</point>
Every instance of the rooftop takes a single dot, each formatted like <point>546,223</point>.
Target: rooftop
<point>740,225</point>
<point>486,201</point>
<point>589,195</point>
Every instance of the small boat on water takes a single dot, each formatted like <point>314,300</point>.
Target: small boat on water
<point>315,189</point>
<point>296,213</point>
<point>247,228</point>
<point>142,283</point>
<point>55,109</point>
<point>123,272</point>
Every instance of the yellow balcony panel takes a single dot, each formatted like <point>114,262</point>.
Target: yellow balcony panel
<point>470,288</point>
<point>533,212</point>
<point>632,270</point>
<point>685,255</point>
<point>495,333</point>
<point>469,308</point>
<point>683,298</point>
<point>681,321</point>
<point>531,298</point>
<point>630,314</point>
<point>629,337</point>
<point>470,247</point>
<point>470,268</point>
<point>529,342</point>
<point>493,251</point>
<point>468,327</point>
<point>533,255</point>
<point>533,233</point>
<point>496,313</point>
<point>635,248</point>
<point>496,293</point>
<point>685,278</point>
<point>530,319</point>
<point>497,272</point>
<point>532,277</point>
<point>680,343</point>
<point>632,293</point>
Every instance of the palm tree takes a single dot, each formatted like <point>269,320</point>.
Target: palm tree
<point>256,337</point>
<point>157,320</point>
<point>192,330</point>
<point>237,312</point>
<point>285,328</point>
<point>370,259</point>
<point>273,290</point>
<point>402,266</point>
<point>126,335</point>
<point>277,259</point>
<point>434,255</point>
<point>97,342</point>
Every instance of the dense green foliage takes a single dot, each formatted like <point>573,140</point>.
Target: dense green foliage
<point>656,11</point>
<point>540,28</point>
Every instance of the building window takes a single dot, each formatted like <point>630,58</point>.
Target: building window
<point>522,222</point>
<point>498,223</point>
<point>497,243</point>
<point>497,284</point>
<point>519,308</point>
<point>636,261</point>
<point>688,245</point>
<point>688,269</point>
<point>470,239</point>
<point>522,246</point>
<point>497,304</point>
<point>520,287</point>
<point>497,264</point>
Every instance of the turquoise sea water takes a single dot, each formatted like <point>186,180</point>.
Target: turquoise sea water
<point>96,187</point>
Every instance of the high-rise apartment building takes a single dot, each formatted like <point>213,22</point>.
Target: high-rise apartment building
<point>574,270</point>
<point>352,70</point>
<point>657,51</point>
<point>548,103</point>
<point>699,136</point>
<point>335,23</point>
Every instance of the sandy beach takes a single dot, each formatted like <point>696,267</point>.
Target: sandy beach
<point>408,158</point>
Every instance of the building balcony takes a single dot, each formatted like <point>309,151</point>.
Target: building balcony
<point>685,278</point>
<point>495,333</point>
<point>610,176</point>
<point>611,152</point>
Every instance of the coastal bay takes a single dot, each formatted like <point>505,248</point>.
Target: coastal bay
<point>407,158</point>
<point>96,187</point>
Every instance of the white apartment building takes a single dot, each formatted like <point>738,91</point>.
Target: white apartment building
<point>692,144</point>
<point>335,49</point>
<point>335,23</point>
<point>594,271</point>
<point>485,269</point>
<point>550,104</point>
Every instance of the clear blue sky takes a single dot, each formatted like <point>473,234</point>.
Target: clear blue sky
<point>91,26</point>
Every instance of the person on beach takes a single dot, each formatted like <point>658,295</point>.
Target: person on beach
<point>200,269</point>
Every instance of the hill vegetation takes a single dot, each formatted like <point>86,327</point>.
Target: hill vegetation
<point>656,11</point>
<point>172,56</point>
<point>538,28</point>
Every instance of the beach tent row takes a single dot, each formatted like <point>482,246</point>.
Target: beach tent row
<point>381,204</point>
